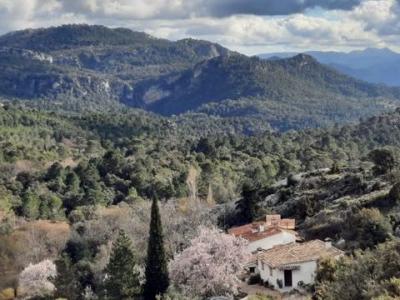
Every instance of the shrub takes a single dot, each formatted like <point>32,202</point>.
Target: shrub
<point>394,194</point>
<point>383,160</point>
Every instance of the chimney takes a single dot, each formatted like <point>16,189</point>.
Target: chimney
<point>272,220</point>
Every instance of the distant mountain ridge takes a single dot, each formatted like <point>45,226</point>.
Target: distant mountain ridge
<point>372,64</point>
<point>293,91</point>
<point>82,63</point>
<point>82,67</point>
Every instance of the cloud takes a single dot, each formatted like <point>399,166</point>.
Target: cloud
<point>224,8</point>
<point>127,9</point>
<point>380,16</point>
<point>170,9</point>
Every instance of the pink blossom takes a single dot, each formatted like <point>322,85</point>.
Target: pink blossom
<point>210,265</point>
<point>34,280</point>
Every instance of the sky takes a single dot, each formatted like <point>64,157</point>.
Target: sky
<point>247,26</point>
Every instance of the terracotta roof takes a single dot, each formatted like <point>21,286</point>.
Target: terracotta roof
<point>272,225</point>
<point>293,253</point>
<point>256,235</point>
<point>244,229</point>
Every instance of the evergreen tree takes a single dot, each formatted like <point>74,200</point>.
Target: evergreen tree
<point>66,281</point>
<point>123,276</point>
<point>72,182</point>
<point>157,279</point>
<point>247,205</point>
<point>30,205</point>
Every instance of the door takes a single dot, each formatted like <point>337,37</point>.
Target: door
<point>288,277</point>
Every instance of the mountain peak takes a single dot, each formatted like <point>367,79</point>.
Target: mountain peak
<point>72,35</point>
<point>301,60</point>
<point>302,57</point>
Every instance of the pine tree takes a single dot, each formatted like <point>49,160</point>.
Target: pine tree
<point>247,205</point>
<point>66,282</point>
<point>157,279</point>
<point>123,276</point>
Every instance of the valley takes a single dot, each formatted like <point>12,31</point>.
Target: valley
<point>127,161</point>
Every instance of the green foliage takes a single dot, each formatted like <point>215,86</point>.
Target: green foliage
<point>175,294</point>
<point>383,159</point>
<point>288,94</point>
<point>366,275</point>
<point>394,194</point>
<point>30,205</point>
<point>100,64</point>
<point>326,270</point>
<point>157,280</point>
<point>7,200</point>
<point>366,228</point>
<point>122,280</point>
<point>51,207</point>
<point>247,205</point>
<point>306,207</point>
<point>66,282</point>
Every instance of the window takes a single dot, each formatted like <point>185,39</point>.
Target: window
<point>270,271</point>
<point>262,266</point>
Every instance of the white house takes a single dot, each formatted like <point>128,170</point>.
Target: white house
<point>266,234</point>
<point>286,267</point>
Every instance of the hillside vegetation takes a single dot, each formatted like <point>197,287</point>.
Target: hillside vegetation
<point>97,170</point>
<point>94,68</point>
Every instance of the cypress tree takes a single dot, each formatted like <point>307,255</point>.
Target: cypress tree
<point>247,204</point>
<point>157,280</point>
<point>123,276</point>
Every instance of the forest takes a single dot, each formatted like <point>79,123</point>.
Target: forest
<point>82,191</point>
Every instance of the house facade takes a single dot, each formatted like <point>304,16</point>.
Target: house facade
<point>269,238</point>
<point>289,266</point>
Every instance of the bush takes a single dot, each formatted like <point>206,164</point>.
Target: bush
<point>383,160</point>
<point>7,294</point>
<point>292,180</point>
<point>366,275</point>
<point>394,194</point>
<point>366,228</point>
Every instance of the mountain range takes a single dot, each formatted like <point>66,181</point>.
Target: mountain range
<point>381,66</point>
<point>82,67</point>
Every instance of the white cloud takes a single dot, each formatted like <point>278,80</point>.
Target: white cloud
<point>380,16</point>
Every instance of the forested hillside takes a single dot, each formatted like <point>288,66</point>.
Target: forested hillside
<point>74,181</point>
<point>375,65</point>
<point>95,68</point>
<point>151,154</point>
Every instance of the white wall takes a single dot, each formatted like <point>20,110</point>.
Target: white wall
<point>305,273</point>
<point>267,243</point>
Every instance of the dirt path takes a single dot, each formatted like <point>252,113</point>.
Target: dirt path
<point>260,290</point>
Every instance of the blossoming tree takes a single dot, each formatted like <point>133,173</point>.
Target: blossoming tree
<point>35,280</point>
<point>210,265</point>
